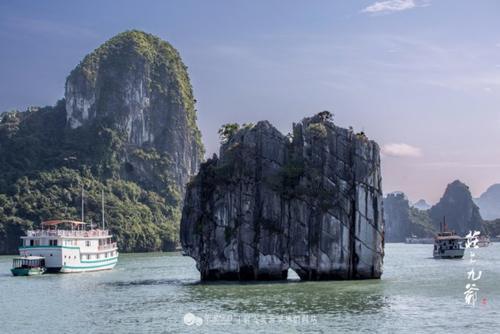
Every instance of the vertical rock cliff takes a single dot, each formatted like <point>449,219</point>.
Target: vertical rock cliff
<point>137,84</point>
<point>402,220</point>
<point>397,217</point>
<point>312,203</point>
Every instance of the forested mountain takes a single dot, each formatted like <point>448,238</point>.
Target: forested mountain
<point>126,125</point>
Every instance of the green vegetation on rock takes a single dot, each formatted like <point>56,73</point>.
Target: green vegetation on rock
<point>44,158</point>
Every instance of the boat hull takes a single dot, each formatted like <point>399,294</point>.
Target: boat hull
<point>27,271</point>
<point>89,267</point>
<point>450,254</point>
<point>63,259</point>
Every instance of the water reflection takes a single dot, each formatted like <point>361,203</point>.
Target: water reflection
<point>146,282</point>
<point>332,297</point>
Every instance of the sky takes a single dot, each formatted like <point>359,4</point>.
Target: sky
<point>420,77</point>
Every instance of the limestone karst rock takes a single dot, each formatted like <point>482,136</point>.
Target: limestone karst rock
<point>403,220</point>
<point>421,204</point>
<point>138,84</point>
<point>127,125</point>
<point>312,203</point>
<point>462,214</point>
<point>489,203</point>
<point>397,217</point>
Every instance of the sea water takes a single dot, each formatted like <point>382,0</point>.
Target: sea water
<point>161,293</point>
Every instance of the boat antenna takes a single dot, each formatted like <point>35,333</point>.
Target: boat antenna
<point>83,194</point>
<point>102,207</point>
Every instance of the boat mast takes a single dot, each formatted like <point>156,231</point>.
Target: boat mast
<point>102,207</point>
<point>83,194</point>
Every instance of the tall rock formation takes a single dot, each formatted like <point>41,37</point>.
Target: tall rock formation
<point>137,84</point>
<point>397,217</point>
<point>489,203</point>
<point>312,203</point>
<point>127,126</point>
<point>402,220</point>
<point>457,206</point>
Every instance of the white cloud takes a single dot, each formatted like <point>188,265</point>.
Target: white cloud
<point>401,150</point>
<point>389,6</point>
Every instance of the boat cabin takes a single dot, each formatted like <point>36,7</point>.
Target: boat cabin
<point>28,265</point>
<point>28,262</point>
<point>448,245</point>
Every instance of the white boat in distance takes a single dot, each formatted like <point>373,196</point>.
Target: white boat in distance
<point>447,244</point>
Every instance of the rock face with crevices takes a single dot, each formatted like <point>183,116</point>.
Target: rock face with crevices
<point>127,126</point>
<point>137,84</point>
<point>311,202</point>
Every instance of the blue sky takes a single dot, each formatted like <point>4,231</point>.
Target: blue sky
<point>421,77</point>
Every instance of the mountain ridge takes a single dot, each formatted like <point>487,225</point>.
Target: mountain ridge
<point>489,202</point>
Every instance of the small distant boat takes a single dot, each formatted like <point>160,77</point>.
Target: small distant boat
<point>483,241</point>
<point>416,240</point>
<point>448,245</point>
<point>28,265</point>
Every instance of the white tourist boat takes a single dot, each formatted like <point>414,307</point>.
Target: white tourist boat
<point>68,246</point>
<point>447,244</point>
<point>70,250</point>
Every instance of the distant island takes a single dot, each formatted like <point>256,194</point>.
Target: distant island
<point>489,203</point>
<point>457,207</point>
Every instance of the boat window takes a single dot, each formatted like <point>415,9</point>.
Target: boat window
<point>32,242</point>
<point>87,243</point>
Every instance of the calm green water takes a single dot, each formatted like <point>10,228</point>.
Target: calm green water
<point>151,293</point>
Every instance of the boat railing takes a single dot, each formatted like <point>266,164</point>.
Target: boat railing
<point>68,233</point>
<point>107,246</point>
